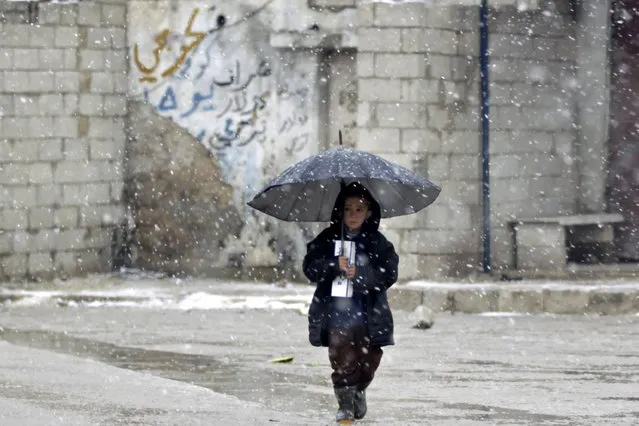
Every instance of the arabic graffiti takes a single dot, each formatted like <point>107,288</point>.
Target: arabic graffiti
<point>244,101</point>
<point>162,43</point>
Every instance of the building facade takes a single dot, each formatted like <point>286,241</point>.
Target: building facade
<point>135,132</point>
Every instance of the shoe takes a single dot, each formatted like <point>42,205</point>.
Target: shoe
<point>346,408</point>
<point>359,404</point>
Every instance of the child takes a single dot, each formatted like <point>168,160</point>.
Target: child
<point>354,328</point>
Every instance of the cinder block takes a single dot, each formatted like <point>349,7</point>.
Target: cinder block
<point>438,117</point>
<point>40,217</point>
<point>39,127</point>
<point>511,45</point>
<point>66,37</point>
<point>397,65</point>
<point>115,105</point>
<point>25,59</point>
<point>466,166</point>
<point>15,81</point>
<point>99,215</point>
<point>98,237</point>
<point>606,302</point>
<point>102,128</point>
<point>366,14</point>
<point>6,243</point>
<point>48,195</point>
<point>379,40</point>
<point>41,82</point>
<point>67,81</point>
<point>86,194</point>
<point>526,301</point>
<point>15,265</point>
<point>51,104</point>
<point>426,241</point>
<point>104,150</point>
<point>14,219</point>
<point>429,40</point>
<point>6,59</point>
<point>40,36</point>
<point>540,234</point>
<point>65,262</point>
<point>70,239</point>
<point>66,217</point>
<point>475,301</point>
<point>40,262</point>
<point>420,141</point>
<point>48,14</point>
<point>378,140</point>
<point>93,261</point>
<point>90,104</point>
<point>13,35</point>
<point>22,242</point>
<point>116,60</point>
<point>404,299</point>
<point>65,127</point>
<point>403,115</point>
<point>68,14</point>
<point>118,38</point>
<point>75,149</point>
<point>13,174</point>
<point>421,90</point>
<point>379,90</point>
<point>92,60</point>
<point>39,173</point>
<point>70,59</point>
<point>121,82</point>
<point>541,258</point>
<point>71,103</point>
<point>117,193</point>
<point>52,59</point>
<point>89,14</point>
<point>102,82</point>
<point>565,301</point>
<point>403,15</point>
<point>114,15</point>
<point>27,105</point>
<point>99,38</point>
<point>365,64</point>
<point>505,166</point>
<point>25,151</point>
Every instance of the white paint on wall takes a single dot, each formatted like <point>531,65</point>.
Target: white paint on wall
<point>212,70</point>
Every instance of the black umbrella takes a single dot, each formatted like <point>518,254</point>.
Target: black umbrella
<point>306,191</point>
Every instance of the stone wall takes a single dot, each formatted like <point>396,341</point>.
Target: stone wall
<point>215,99</point>
<point>62,137</point>
<point>230,76</point>
<point>418,73</point>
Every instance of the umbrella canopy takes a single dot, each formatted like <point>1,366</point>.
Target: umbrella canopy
<point>306,191</point>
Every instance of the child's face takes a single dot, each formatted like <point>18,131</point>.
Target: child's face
<point>355,212</point>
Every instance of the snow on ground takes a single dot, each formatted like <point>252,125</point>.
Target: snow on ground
<point>176,294</point>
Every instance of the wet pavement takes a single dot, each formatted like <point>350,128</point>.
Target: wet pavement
<point>94,364</point>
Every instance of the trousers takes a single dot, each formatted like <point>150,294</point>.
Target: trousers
<point>353,359</point>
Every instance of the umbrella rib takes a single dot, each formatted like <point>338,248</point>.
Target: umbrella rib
<point>297,198</point>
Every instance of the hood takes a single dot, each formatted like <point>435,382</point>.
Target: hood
<point>356,189</point>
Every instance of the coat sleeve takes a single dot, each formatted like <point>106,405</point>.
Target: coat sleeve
<point>380,273</point>
<point>319,263</point>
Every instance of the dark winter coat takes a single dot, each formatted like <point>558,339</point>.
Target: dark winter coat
<point>372,280</point>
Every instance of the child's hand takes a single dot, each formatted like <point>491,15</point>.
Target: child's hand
<point>350,272</point>
<point>343,263</point>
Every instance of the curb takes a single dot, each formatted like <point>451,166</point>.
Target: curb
<point>566,300</point>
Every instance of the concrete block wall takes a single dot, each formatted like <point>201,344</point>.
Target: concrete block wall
<point>418,75</point>
<point>62,102</point>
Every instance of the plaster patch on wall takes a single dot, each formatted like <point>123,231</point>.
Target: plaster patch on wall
<point>212,71</point>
